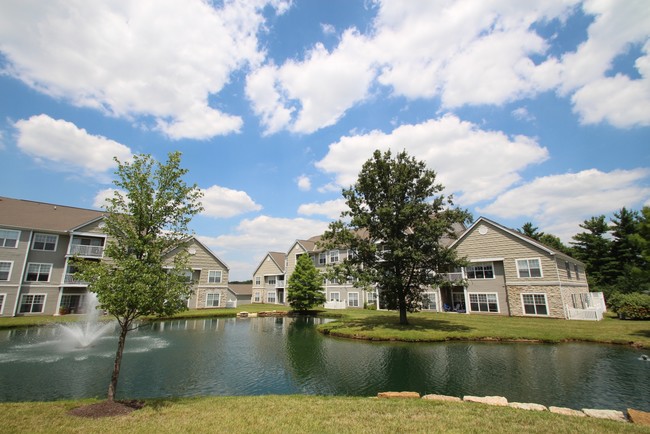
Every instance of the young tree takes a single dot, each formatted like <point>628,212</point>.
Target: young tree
<point>305,285</point>
<point>397,223</point>
<point>531,231</point>
<point>146,218</point>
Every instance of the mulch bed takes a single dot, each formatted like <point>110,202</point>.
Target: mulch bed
<point>107,409</point>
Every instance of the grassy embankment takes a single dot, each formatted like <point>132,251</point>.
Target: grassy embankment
<point>306,414</point>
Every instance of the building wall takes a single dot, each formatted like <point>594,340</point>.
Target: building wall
<point>496,285</point>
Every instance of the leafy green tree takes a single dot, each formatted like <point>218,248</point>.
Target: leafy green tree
<point>305,285</point>
<point>641,239</point>
<point>594,249</point>
<point>396,226</point>
<point>146,219</point>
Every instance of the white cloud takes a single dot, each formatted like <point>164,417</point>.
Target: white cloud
<point>245,247</point>
<point>61,145</point>
<point>102,196</point>
<point>154,58</point>
<point>559,203</point>
<point>523,114</point>
<point>304,183</point>
<point>331,209</point>
<point>222,202</point>
<point>328,29</point>
<point>476,163</point>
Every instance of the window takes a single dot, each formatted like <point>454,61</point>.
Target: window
<point>429,301</point>
<point>5,270</point>
<point>483,302</point>
<point>2,302</point>
<point>258,281</point>
<point>38,272</point>
<point>335,296</point>
<point>32,303</point>
<point>567,266</point>
<point>212,299</point>
<point>353,299</point>
<point>256,297</point>
<point>575,268</point>
<point>188,275</point>
<point>9,238</point>
<point>270,280</point>
<point>480,271</point>
<point>372,298</point>
<point>214,276</point>
<point>45,242</point>
<point>270,297</point>
<point>334,256</point>
<point>534,304</point>
<point>322,258</point>
<point>529,268</point>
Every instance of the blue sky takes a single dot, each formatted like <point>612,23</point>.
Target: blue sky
<point>528,111</point>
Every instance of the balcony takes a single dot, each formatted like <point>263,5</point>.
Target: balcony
<point>87,251</point>
<point>69,279</point>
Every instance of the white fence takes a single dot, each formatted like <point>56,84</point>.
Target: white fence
<point>335,305</point>
<point>587,306</point>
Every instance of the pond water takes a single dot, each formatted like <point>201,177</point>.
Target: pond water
<point>263,356</point>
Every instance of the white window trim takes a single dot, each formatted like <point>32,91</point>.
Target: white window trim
<point>20,303</point>
<point>49,274</point>
<point>358,300</point>
<point>271,280</point>
<point>11,268</point>
<point>322,258</point>
<point>4,301</point>
<point>523,305</point>
<point>215,271</point>
<point>334,254</point>
<point>338,296</point>
<point>432,295</point>
<point>496,295</point>
<point>56,241</point>
<point>577,271</point>
<point>218,294</point>
<point>275,297</point>
<point>475,264</point>
<point>17,238</point>
<point>257,297</point>
<point>541,271</point>
<point>258,281</point>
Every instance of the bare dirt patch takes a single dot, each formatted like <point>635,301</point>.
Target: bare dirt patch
<point>106,409</point>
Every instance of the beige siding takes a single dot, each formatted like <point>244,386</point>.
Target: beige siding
<point>497,286</point>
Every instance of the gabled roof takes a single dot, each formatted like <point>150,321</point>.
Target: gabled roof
<point>276,257</point>
<point>203,246</point>
<point>241,288</point>
<point>524,238</point>
<point>27,214</point>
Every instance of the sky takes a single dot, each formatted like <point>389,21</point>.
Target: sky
<point>535,111</point>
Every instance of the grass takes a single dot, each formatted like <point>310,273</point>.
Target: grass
<point>432,327</point>
<point>305,414</point>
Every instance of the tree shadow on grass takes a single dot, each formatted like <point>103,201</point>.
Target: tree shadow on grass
<point>642,333</point>
<point>415,324</point>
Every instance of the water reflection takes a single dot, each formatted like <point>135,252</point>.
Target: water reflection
<point>285,355</point>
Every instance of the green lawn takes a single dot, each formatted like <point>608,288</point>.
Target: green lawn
<point>431,327</point>
<point>303,414</point>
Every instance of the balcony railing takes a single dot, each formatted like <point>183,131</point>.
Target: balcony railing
<point>83,250</point>
<point>71,280</point>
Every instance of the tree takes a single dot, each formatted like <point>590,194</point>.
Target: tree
<point>625,253</point>
<point>146,219</point>
<point>397,223</point>
<point>593,248</point>
<point>305,285</point>
<point>530,231</point>
<point>641,239</point>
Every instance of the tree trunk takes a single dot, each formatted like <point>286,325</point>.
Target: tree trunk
<point>112,387</point>
<point>402,308</point>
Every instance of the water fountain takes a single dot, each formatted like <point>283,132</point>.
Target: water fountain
<point>84,333</point>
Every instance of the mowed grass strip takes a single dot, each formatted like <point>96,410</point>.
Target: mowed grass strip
<point>434,327</point>
<point>300,414</point>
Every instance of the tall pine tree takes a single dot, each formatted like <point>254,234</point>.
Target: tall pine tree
<point>593,248</point>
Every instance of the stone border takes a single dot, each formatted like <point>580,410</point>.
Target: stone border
<point>635,416</point>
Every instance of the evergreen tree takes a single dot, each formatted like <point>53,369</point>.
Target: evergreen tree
<point>397,223</point>
<point>593,248</point>
<point>626,255</point>
<point>555,243</point>
<point>305,285</point>
<point>641,240</point>
<point>530,231</point>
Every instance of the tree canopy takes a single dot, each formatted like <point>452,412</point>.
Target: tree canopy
<point>396,227</point>
<point>305,289</point>
<point>146,219</point>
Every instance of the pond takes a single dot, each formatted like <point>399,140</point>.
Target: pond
<point>261,356</point>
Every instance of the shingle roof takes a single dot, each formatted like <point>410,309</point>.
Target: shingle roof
<point>27,214</point>
<point>241,288</point>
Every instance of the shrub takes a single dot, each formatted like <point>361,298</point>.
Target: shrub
<point>631,306</point>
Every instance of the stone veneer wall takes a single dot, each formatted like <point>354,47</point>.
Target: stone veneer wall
<point>201,296</point>
<point>553,299</point>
